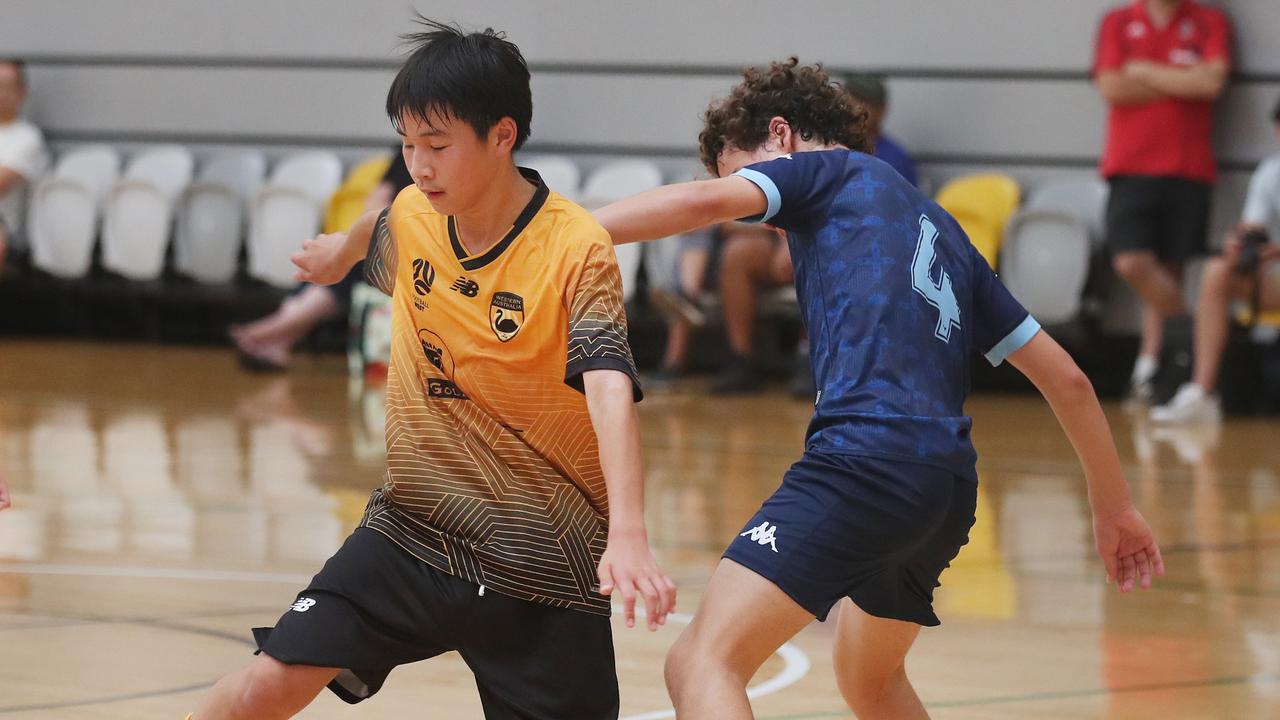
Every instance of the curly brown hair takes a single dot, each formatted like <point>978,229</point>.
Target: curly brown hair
<point>816,108</point>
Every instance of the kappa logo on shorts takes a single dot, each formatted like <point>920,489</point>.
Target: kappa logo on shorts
<point>303,605</point>
<point>762,534</point>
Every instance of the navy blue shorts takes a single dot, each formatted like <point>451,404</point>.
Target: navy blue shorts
<point>877,531</point>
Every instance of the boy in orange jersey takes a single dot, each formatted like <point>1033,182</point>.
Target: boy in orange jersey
<point>513,502</point>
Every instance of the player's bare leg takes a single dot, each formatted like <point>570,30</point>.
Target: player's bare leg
<point>869,656</point>
<point>742,620</point>
<point>266,689</point>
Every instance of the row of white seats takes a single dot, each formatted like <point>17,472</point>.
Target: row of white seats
<point>159,189</point>
<point>1045,256</point>
<point>137,209</point>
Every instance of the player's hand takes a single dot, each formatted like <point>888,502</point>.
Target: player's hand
<point>323,259</point>
<point>628,568</point>
<point>1128,549</point>
<point>4,494</point>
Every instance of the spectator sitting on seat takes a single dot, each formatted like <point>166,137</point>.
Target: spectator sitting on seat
<point>23,157</point>
<point>870,90</point>
<point>265,344</point>
<point>679,300</point>
<point>1244,271</point>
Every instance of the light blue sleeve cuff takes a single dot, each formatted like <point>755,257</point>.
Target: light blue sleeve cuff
<point>1013,342</point>
<point>770,190</point>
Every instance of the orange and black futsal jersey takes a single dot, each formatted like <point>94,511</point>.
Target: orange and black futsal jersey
<point>493,470</point>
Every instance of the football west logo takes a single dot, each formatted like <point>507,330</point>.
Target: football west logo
<point>423,276</point>
<point>506,315</point>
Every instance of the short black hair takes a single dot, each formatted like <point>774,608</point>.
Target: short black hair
<point>20,66</point>
<point>478,78</point>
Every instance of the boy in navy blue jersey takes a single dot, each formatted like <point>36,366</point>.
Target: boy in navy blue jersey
<point>895,299</point>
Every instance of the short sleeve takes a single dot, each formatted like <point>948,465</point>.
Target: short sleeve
<point>1108,49</point>
<point>1217,42</point>
<point>598,319</point>
<point>1000,325</point>
<point>380,263</point>
<point>799,187</point>
<point>1263,199</point>
<point>24,153</point>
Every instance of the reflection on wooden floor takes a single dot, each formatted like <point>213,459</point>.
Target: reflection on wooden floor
<point>165,502</point>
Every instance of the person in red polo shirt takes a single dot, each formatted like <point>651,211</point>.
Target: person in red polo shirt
<point>1159,64</point>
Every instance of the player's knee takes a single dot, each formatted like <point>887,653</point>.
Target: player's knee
<point>679,666</point>
<point>273,688</point>
<point>1216,277</point>
<point>867,691</point>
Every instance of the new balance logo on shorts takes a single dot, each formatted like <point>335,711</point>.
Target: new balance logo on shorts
<point>762,534</point>
<point>303,605</point>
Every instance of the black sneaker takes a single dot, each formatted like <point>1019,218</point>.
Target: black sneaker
<point>664,378</point>
<point>739,377</point>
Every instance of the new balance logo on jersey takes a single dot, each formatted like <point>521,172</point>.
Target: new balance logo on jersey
<point>466,286</point>
<point>303,605</point>
<point>762,534</point>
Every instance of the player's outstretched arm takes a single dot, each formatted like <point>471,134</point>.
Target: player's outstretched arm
<point>628,567</point>
<point>326,259</point>
<point>680,208</point>
<point>1123,540</point>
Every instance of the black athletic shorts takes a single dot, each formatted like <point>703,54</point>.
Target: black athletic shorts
<point>879,532</point>
<point>374,606</point>
<point>1167,216</point>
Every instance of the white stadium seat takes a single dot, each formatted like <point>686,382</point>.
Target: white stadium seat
<point>288,210</point>
<point>65,207</point>
<point>616,181</point>
<point>1085,199</point>
<point>1044,262</point>
<point>211,217</point>
<point>558,172</point>
<point>138,216</point>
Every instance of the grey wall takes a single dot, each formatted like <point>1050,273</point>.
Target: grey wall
<point>976,84</point>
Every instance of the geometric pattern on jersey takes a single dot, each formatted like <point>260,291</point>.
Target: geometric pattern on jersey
<point>493,468</point>
<point>896,301</point>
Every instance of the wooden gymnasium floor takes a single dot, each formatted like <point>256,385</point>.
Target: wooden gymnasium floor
<point>165,502</point>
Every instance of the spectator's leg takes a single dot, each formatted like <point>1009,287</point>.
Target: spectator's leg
<point>748,265</point>
<point>1161,296</point>
<point>693,270</point>
<point>272,338</point>
<point>1217,287</point>
<point>744,268</point>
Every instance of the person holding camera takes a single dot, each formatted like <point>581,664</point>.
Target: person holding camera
<point>1246,270</point>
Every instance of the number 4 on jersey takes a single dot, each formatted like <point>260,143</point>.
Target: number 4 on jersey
<point>939,294</point>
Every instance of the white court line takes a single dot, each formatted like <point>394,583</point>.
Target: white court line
<point>795,662</point>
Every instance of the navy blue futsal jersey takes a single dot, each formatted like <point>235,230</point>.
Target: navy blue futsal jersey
<point>895,299</point>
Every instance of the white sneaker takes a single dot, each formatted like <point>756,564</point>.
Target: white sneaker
<point>1189,406</point>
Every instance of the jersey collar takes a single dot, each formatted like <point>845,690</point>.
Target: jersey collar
<point>539,199</point>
